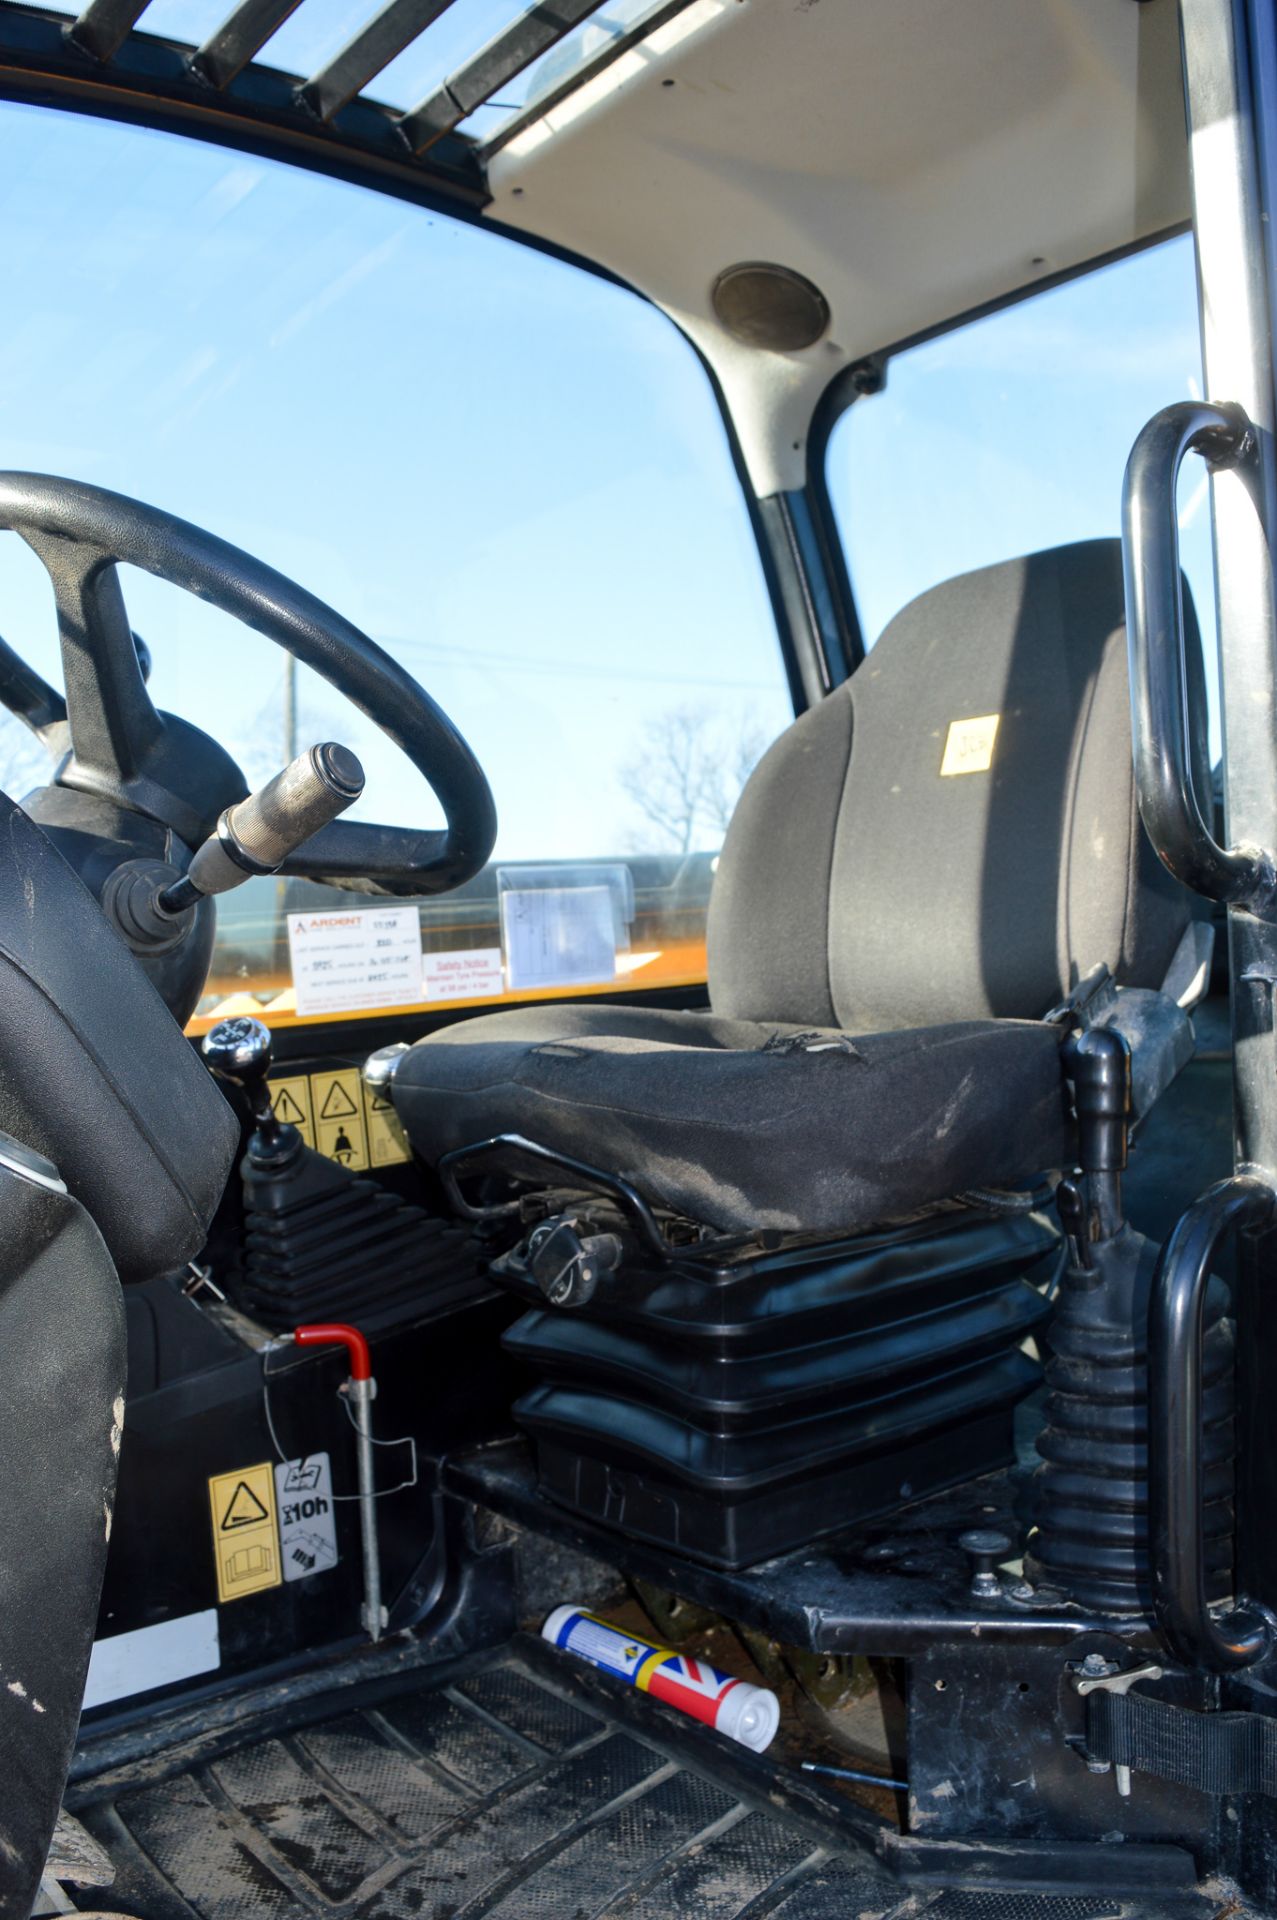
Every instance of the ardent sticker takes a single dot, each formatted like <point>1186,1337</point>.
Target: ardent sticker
<point>968,747</point>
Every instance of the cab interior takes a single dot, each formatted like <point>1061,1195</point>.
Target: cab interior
<point>815,1223</point>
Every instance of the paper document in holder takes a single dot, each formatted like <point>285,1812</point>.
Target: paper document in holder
<point>558,936</point>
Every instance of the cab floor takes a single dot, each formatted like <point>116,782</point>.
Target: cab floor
<point>506,1797</point>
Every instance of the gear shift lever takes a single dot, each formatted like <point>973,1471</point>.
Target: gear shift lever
<point>240,1051</point>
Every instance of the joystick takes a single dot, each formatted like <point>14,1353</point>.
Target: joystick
<point>239,1051</point>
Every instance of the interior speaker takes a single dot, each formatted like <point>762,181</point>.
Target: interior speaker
<point>769,306</point>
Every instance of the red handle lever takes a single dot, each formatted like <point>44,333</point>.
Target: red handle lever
<point>338,1335</point>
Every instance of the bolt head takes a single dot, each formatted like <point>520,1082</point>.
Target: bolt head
<point>985,1541</point>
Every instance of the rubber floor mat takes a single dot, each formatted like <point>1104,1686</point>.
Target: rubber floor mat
<point>502,1797</point>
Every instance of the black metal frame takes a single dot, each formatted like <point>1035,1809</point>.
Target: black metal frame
<point>1176,1475</point>
<point>1165,719</point>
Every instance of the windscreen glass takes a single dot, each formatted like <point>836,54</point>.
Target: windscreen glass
<point>511,474</point>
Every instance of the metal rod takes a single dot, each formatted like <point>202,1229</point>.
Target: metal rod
<point>360,1393</point>
<point>228,51</point>
<point>848,1773</point>
<point>104,26</point>
<point>373,47</point>
<point>508,54</point>
<point>1166,721</point>
<point>1189,1630</point>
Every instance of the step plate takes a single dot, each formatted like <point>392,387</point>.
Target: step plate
<point>507,1797</point>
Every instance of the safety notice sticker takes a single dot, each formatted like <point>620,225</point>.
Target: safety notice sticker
<point>307,1518</point>
<point>350,962</point>
<point>245,1531</point>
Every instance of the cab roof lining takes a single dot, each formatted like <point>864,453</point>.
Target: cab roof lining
<point>915,159</point>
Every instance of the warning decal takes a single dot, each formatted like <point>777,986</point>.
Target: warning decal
<point>387,1142</point>
<point>338,1104</point>
<point>245,1531</point>
<point>244,1509</point>
<point>338,1115</point>
<point>290,1103</point>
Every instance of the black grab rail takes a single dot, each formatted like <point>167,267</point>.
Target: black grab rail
<point>1162,726</point>
<point>1177,1553</point>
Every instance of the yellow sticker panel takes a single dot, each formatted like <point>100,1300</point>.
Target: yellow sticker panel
<point>387,1142</point>
<point>245,1531</point>
<point>968,747</point>
<point>339,1116</point>
<point>290,1104</point>
<point>337,1102</point>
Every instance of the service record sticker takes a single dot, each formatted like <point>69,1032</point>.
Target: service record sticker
<point>245,1531</point>
<point>307,1518</point>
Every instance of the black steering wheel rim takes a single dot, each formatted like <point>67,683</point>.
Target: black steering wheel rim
<point>121,746</point>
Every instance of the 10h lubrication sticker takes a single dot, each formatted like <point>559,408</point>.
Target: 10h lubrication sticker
<point>334,1112</point>
<point>245,1531</point>
<point>307,1518</point>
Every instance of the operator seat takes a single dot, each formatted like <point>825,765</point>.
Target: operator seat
<point>921,868</point>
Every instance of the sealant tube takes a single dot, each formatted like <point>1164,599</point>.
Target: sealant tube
<point>748,1714</point>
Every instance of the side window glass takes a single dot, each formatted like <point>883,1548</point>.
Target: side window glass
<point>1012,434</point>
<point>508,472</point>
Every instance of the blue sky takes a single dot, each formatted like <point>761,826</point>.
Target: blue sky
<point>510,473</point>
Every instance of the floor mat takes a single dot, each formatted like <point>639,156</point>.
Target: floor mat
<point>502,1797</point>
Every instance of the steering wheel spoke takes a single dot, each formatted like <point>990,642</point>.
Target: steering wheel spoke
<point>114,724</point>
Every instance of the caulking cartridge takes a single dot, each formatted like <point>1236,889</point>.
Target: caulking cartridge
<point>745,1713</point>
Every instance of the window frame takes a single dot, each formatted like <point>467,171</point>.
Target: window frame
<point>871,371</point>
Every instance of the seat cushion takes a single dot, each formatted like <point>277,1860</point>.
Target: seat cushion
<point>741,1123</point>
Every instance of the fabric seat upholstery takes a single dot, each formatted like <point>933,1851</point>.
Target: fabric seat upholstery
<point>740,1123</point>
<point>884,938</point>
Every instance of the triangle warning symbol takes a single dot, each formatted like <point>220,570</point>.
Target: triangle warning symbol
<point>286,1108</point>
<point>337,1103</point>
<point>243,1509</point>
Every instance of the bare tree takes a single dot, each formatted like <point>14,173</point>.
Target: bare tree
<point>737,763</point>
<point>685,778</point>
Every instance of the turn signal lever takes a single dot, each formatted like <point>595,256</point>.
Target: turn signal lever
<point>253,837</point>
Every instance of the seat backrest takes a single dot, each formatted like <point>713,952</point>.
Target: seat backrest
<point>953,834</point>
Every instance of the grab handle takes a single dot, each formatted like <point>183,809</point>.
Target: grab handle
<point>1161,725</point>
<point>1177,1552</point>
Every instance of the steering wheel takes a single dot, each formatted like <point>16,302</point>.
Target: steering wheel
<point>124,750</point>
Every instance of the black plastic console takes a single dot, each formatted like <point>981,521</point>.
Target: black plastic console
<point>734,1408</point>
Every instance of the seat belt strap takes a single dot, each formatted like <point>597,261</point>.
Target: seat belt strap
<point>1215,1752</point>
